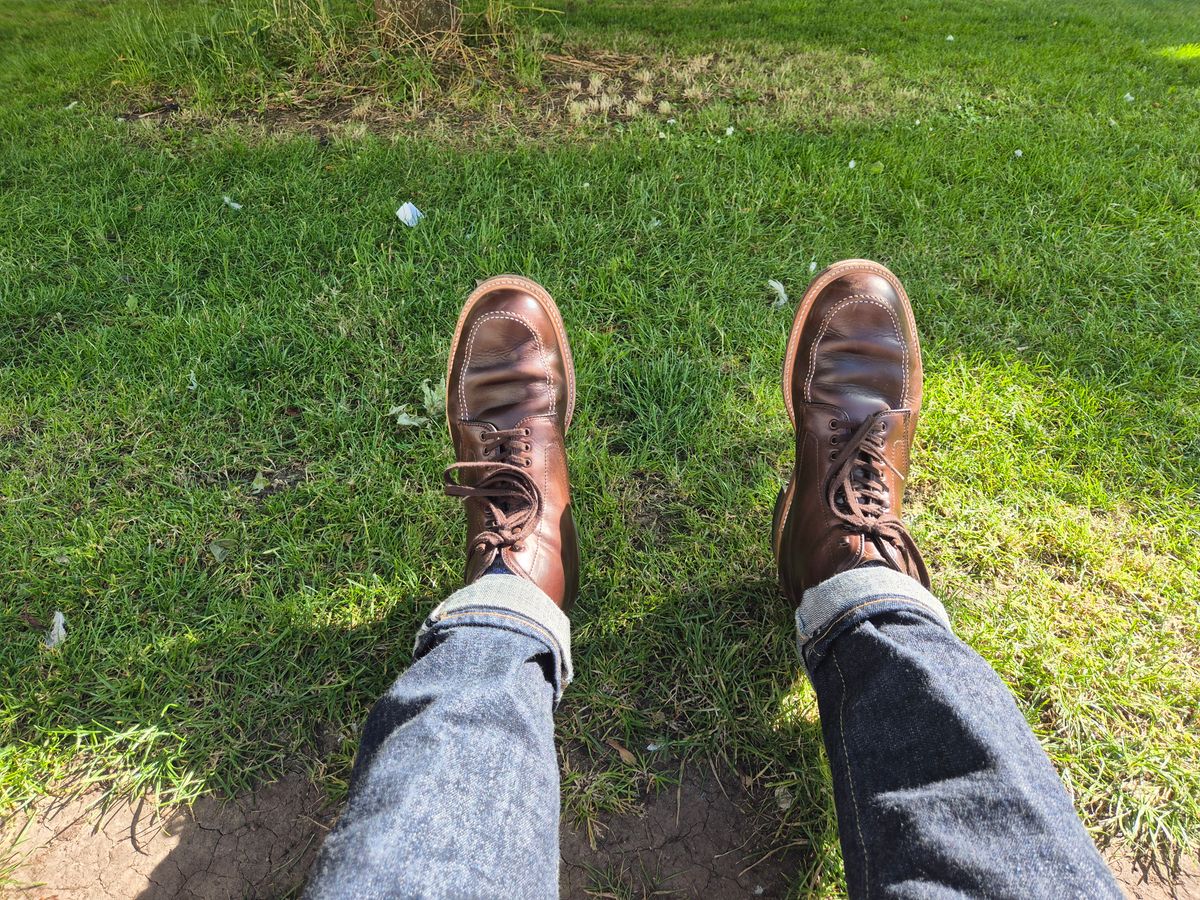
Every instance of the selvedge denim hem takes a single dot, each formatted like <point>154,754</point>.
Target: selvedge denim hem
<point>509,602</point>
<point>840,602</point>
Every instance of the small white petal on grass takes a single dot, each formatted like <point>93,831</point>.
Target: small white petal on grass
<point>759,890</point>
<point>654,746</point>
<point>409,214</point>
<point>670,121</point>
<point>1129,98</point>
<point>406,419</point>
<point>586,185</point>
<point>1018,154</point>
<point>58,630</point>
<point>729,131</point>
<point>72,104</point>
<point>655,223</point>
<point>918,121</point>
<point>192,383</point>
<point>230,202</point>
<point>853,163</point>
<point>812,267</point>
<point>950,37</point>
<point>781,297</point>
<point>662,134</point>
<point>1112,122</point>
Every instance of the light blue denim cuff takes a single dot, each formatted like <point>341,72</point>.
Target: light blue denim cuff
<point>513,602</point>
<point>831,601</point>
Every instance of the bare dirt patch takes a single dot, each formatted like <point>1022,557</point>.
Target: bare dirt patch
<point>1151,881</point>
<point>704,838</point>
<point>581,91</point>
<point>653,510</point>
<point>700,839</point>
<point>258,845</point>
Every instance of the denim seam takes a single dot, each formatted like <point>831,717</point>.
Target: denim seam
<point>850,775</point>
<point>478,611</point>
<point>890,599</point>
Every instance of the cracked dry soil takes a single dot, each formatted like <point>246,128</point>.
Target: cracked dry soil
<point>699,840</point>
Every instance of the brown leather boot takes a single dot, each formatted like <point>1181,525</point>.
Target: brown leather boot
<point>852,384</point>
<point>510,391</point>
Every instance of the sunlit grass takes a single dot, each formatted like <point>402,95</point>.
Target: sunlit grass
<point>1181,52</point>
<point>160,349</point>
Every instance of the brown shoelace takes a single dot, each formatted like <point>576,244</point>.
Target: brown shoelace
<point>512,501</point>
<point>857,494</point>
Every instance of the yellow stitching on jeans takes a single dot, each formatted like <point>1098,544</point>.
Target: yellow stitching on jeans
<point>500,615</point>
<point>850,776</point>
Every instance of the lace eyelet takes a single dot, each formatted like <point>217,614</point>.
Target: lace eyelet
<point>833,439</point>
<point>833,423</point>
<point>528,432</point>
<point>528,463</point>
<point>833,454</point>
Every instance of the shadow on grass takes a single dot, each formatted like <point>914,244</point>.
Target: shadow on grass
<point>704,826</point>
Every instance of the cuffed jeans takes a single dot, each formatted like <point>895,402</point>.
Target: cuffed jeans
<point>941,789</point>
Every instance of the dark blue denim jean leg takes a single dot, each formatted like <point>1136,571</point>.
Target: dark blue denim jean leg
<point>941,788</point>
<point>455,790</point>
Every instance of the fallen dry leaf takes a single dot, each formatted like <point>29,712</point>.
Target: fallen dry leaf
<point>626,757</point>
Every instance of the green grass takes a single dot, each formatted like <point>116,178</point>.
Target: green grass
<point>159,351</point>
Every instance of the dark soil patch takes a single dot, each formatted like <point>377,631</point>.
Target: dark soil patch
<point>20,433</point>
<point>255,483</point>
<point>158,112</point>
<point>704,838</point>
<point>653,513</point>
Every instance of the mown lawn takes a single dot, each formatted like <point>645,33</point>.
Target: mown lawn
<point>198,466</point>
